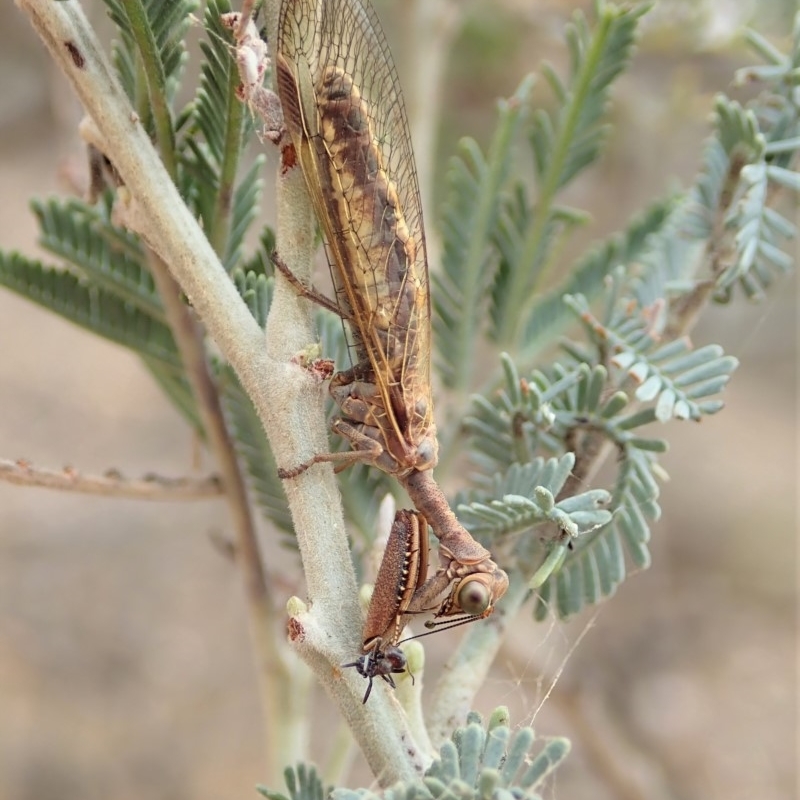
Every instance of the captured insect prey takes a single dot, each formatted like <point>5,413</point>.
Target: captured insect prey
<point>378,663</point>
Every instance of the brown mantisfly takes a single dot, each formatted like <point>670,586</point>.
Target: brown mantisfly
<point>345,116</point>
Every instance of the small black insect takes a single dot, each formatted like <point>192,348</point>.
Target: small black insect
<point>377,663</point>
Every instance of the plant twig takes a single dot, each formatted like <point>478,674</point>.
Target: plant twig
<point>261,606</point>
<point>467,668</point>
<point>112,483</point>
<point>158,213</point>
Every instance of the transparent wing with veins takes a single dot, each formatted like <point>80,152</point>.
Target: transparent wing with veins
<point>345,114</point>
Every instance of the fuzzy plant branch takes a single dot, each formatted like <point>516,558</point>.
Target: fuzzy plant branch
<point>284,394</point>
<point>156,211</point>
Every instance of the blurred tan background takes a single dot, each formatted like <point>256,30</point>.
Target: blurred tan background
<point>125,667</point>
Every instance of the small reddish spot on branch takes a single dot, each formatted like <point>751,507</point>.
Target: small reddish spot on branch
<point>296,631</point>
<point>322,368</point>
<point>77,57</point>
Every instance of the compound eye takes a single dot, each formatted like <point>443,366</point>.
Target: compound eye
<point>473,596</point>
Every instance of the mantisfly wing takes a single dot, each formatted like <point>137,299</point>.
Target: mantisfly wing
<point>345,114</point>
